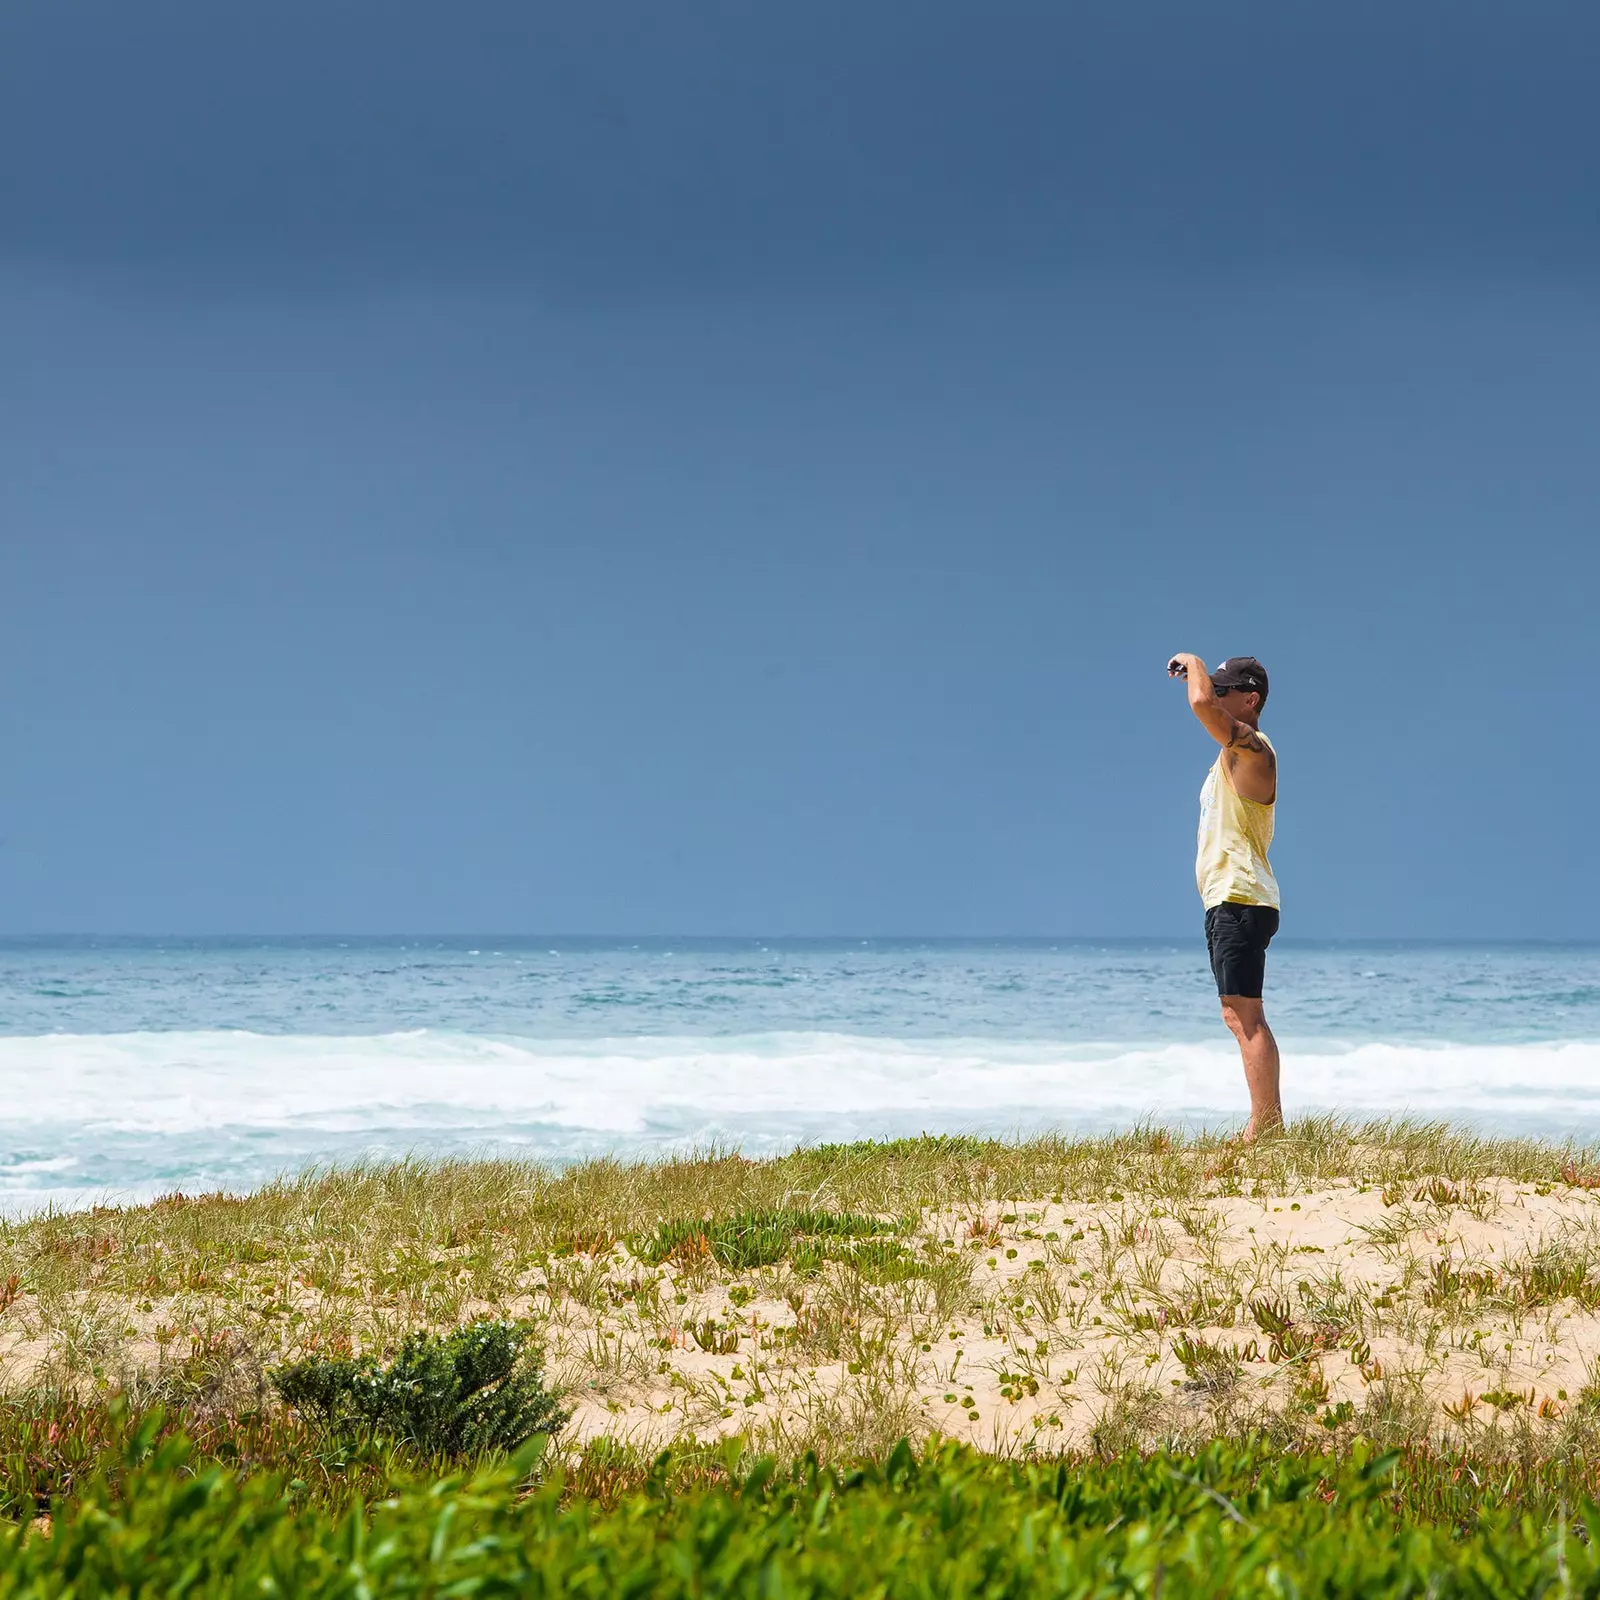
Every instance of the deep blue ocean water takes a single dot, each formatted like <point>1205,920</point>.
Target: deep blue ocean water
<point>128,1067</point>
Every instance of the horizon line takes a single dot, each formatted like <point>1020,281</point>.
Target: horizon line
<point>503,936</point>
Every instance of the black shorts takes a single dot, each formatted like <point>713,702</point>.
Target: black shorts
<point>1237,937</point>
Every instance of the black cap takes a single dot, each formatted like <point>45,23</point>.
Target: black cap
<point>1241,672</point>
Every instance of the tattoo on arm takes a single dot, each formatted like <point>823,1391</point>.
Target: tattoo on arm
<point>1246,738</point>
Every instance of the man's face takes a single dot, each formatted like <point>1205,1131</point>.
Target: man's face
<point>1235,701</point>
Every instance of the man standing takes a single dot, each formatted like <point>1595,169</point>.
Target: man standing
<point>1237,887</point>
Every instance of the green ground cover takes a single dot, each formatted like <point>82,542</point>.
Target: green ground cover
<point>1234,1521</point>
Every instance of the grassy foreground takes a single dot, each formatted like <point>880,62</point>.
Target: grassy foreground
<point>1350,1360</point>
<point>1041,1296</point>
<point>1227,1523</point>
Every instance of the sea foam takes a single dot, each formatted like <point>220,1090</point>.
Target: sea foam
<point>91,1115</point>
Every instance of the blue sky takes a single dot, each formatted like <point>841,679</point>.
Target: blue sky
<point>727,469</point>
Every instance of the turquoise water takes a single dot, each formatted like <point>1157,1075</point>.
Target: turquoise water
<point>129,1067</point>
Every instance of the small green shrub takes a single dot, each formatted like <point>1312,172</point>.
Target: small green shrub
<point>476,1390</point>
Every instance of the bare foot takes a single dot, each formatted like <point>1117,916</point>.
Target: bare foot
<point>1233,1148</point>
<point>1270,1125</point>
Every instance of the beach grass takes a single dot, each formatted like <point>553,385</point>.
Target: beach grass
<point>1408,1285</point>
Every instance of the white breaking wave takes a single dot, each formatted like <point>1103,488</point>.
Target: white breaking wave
<point>179,1083</point>
<point>92,1117</point>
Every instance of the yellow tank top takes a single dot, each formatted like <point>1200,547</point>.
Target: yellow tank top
<point>1235,835</point>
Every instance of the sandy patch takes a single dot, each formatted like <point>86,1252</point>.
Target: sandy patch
<point>1195,1314</point>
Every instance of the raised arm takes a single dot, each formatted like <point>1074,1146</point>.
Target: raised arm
<point>1203,701</point>
<point>1252,767</point>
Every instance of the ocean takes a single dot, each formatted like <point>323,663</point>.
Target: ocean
<point>130,1068</point>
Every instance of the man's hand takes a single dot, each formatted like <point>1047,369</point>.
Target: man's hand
<point>1202,695</point>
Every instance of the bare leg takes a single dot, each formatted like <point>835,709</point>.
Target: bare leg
<point>1248,1024</point>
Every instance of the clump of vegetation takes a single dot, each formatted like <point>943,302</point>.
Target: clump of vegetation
<point>1207,1366</point>
<point>476,1391</point>
<point>52,1445</point>
<point>759,1238</point>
